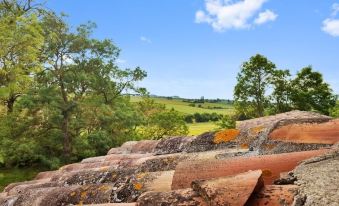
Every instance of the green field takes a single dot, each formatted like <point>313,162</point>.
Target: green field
<point>199,128</point>
<point>184,107</point>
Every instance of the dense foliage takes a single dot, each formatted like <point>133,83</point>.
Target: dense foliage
<point>64,96</point>
<point>263,89</point>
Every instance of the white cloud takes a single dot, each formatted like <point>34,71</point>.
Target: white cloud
<point>230,14</point>
<point>265,16</point>
<point>145,39</point>
<point>331,25</point>
<point>335,8</point>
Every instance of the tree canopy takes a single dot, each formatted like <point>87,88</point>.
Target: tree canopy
<point>262,88</point>
<point>65,96</point>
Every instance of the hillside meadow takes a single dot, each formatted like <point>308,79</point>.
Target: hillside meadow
<point>179,105</point>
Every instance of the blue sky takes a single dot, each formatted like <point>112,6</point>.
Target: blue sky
<point>194,48</point>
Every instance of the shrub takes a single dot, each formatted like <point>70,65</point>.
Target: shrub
<point>227,122</point>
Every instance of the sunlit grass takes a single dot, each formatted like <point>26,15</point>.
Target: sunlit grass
<point>184,107</point>
<point>199,128</point>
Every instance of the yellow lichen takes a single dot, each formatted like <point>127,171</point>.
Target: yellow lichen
<point>73,194</point>
<point>225,136</point>
<point>137,186</point>
<point>257,130</point>
<point>83,194</point>
<point>104,188</point>
<point>140,175</point>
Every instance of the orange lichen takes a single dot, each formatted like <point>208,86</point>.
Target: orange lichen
<point>257,130</point>
<point>137,186</point>
<point>225,135</point>
<point>268,146</point>
<point>244,146</point>
<point>266,173</point>
<point>83,195</point>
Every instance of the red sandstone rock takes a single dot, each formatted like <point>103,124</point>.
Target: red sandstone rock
<point>185,197</point>
<point>114,204</point>
<point>51,196</point>
<point>324,133</point>
<point>230,190</point>
<point>272,166</point>
<point>273,195</point>
<point>32,182</point>
<point>47,174</point>
<point>144,146</point>
<point>124,149</point>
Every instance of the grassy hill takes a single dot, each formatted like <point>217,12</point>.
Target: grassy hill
<point>184,107</point>
<point>178,104</point>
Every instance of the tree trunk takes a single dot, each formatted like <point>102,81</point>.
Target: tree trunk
<point>10,104</point>
<point>67,139</point>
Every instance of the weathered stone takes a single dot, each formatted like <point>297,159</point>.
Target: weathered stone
<point>162,163</point>
<point>114,204</point>
<point>144,146</point>
<point>323,133</point>
<point>278,147</point>
<point>125,148</point>
<point>272,166</point>
<point>57,196</point>
<point>107,175</point>
<point>24,187</point>
<point>8,200</point>
<point>255,132</point>
<point>318,180</point>
<point>231,190</point>
<point>186,197</point>
<point>172,145</point>
<point>47,175</point>
<point>32,182</point>
<point>286,178</point>
<point>205,142</point>
<point>273,195</point>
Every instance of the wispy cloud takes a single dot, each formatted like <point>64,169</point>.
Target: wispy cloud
<point>331,25</point>
<point>265,16</point>
<point>230,14</point>
<point>145,39</point>
<point>121,61</point>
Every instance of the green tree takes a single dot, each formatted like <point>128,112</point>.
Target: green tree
<point>252,84</point>
<point>280,97</point>
<point>227,122</point>
<point>21,39</point>
<point>159,122</point>
<point>310,92</point>
<point>79,71</point>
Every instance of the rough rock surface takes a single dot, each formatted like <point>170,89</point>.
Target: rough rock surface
<point>273,165</point>
<point>325,133</point>
<point>172,145</point>
<point>186,197</point>
<point>161,172</point>
<point>205,142</point>
<point>318,179</point>
<point>274,195</point>
<point>230,190</point>
<point>255,131</point>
